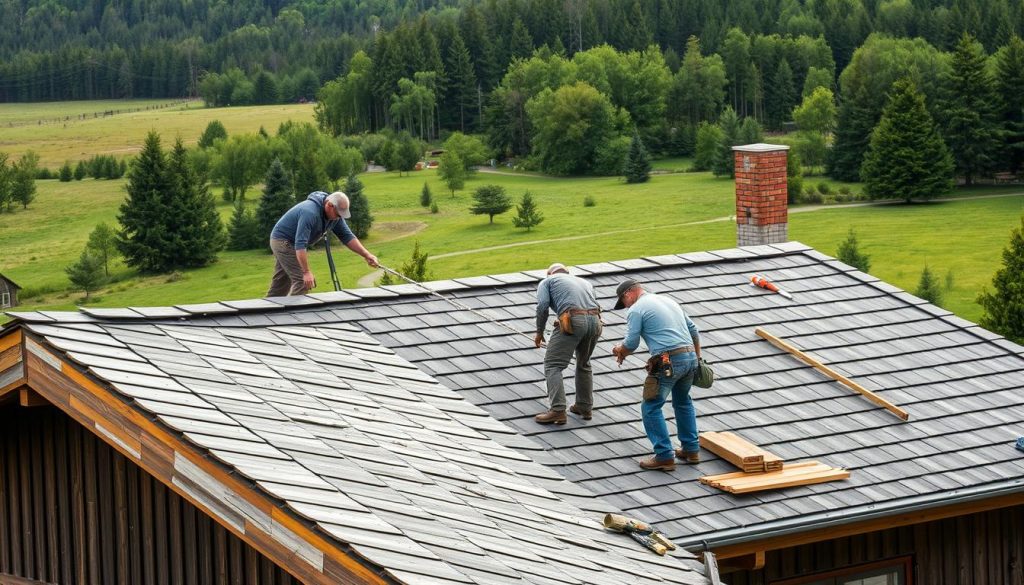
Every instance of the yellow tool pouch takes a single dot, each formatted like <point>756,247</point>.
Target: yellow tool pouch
<point>565,322</point>
<point>651,385</point>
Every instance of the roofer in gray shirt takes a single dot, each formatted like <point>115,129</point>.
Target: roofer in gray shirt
<point>577,329</point>
<point>301,226</point>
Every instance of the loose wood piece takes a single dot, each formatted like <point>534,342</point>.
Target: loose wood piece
<point>740,452</point>
<point>794,474</point>
<point>779,343</point>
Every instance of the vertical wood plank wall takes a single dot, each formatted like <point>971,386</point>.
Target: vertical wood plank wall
<point>978,549</point>
<point>75,511</point>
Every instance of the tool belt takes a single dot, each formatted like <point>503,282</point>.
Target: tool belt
<point>565,319</point>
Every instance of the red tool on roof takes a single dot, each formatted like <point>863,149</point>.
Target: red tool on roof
<point>762,282</point>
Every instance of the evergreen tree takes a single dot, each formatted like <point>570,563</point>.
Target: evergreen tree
<point>854,126</point>
<point>1010,87</point>
<point>214,131</point>
<point>193,221</point>
<point>308,175</point>
<point>81,170</point>
<point>521,44</point>
<point>527,215</point>
<point>275,201</point>
<point>709,139</point>
<point>638,163</point>
<point>66,174</point>
<point>414,269</point>
<point>928,288</point>
<point>102,244</point>
<point>490,200</point>
<point>849,253</point>
<point>907,158</point>
<point>971,122</point>
<point>23,184</point>
<point>359,205</point>
<point>425,196</point>
<point>87,273</point>
<point>243,229</point>
<point>1004,306</point>
<point>729,128</point>
<point>462,84</point>
<point>781,95</point>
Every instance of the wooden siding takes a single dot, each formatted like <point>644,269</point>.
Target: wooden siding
<point>985,548</point>
<point>75,511</point>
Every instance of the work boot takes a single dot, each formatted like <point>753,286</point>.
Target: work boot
<point>690,457</point>
<point>552,416</point>
<point>653,463</point>
<point>585,413</point>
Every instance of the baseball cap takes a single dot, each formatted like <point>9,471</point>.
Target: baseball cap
<point>621,290</point>
<point>341,204</point>
<point>557,267</point>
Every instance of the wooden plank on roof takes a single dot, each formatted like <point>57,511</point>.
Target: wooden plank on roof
<point>779,343</point>
<point>740,452</point>
<point>795,474</point>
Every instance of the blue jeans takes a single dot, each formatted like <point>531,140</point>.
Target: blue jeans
<point>684,366</point>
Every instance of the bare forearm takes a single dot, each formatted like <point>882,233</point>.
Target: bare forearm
<point>302,258</point>
<point>356,246</point>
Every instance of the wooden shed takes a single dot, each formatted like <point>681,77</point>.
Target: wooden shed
<point>8,293</point>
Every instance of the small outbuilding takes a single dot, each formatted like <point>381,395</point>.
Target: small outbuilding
<point>8,293</point>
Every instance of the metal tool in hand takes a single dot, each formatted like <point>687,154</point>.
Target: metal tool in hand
<point>330,262</point>
<point>455,303</point>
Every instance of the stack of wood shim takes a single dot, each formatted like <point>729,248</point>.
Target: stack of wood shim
<point>794,474</point>
<point>740,452</point>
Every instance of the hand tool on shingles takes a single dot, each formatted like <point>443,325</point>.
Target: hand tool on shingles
<point>762,282</point>
<point>641,532</point>
<point>456,304</point>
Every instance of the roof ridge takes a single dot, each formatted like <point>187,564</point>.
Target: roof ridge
<point>184,312</point>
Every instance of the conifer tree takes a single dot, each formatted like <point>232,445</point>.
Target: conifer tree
<point>907,158</point>
<point>1004,306</point>
<point>87,273</point>
<point>490,200</point>
<point>275,201</point>
<point>81,170</point>
<point>214,131</point>
<point>462,83</point>
<point>425,196</point>
<point>729,127</point>
<point>193,220</point>
<point>928,287</point>
<point>359,205</point>
<point>144,236</point>
<point>638,164</point>
<point>971,125</point>
<point>1010,88</point>
<point>527,215</point>
<point>782,95</point>
<point>243,230</point>
<point>854,123</point>
<point>65,174</point>
<point>849,253</point>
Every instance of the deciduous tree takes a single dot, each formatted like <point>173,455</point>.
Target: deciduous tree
<point>490,200</point>
<point>102,243</point>
<point>87,273</point>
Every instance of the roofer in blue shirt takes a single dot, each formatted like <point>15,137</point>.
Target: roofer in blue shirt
<point>304,225</point>
<point>668,332</point>
<point>577,329</point>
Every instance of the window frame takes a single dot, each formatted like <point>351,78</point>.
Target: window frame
<point>907,562</point>
<point>5,299</point>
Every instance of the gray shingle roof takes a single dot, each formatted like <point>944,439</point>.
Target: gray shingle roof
<point>961,384</point>
<point>370,450</point>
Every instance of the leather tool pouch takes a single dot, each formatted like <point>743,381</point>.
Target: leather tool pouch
<point>651,384</point>
<point>565,322</point>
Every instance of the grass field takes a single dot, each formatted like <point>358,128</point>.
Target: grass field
<point>123,134</point>
<point>662,216</point>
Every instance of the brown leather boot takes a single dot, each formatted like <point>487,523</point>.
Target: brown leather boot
<point>552,416</point>
<point>690,457</point>
<point>658,464</point>
<point>585,413</point>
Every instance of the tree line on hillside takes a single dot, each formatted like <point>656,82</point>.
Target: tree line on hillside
<point>88,49</point>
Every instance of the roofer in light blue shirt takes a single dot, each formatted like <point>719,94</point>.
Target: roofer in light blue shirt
<point>666,329</point>
<point>301,226</point>
<point>577,329</point>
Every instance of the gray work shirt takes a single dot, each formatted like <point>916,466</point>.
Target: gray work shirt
<point>562,292</point>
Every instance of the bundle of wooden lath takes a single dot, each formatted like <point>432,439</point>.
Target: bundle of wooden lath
<point>761,470</point>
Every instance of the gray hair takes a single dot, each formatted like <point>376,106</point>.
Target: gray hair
<point>339,200</point>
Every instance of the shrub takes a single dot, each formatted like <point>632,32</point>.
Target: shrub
<point>823,188</point>
<point>589,201</point>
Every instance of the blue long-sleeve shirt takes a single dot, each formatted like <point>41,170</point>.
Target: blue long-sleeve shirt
<point>306,222</point>
<point>562,292</point>
<point>662,324</point>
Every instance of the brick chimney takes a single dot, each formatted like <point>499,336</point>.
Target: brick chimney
<point>762,212</point>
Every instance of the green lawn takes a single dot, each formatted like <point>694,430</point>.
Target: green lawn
<point>123,134</point>
<point>627,221</point>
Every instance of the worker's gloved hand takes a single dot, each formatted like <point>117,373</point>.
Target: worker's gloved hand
<point>372,261</point>
<point>538,339</point>
<point>308,280</point>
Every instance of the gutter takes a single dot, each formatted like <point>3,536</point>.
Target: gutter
<point>820,520</point>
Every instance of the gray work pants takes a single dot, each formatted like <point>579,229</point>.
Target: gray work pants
<point>561,347</point>
<point>287,279</point>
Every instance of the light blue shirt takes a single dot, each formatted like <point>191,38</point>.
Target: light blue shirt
<point>662,324</point>
<point>562,292</point>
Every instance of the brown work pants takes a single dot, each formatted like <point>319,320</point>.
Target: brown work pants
<point>287,279</point>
